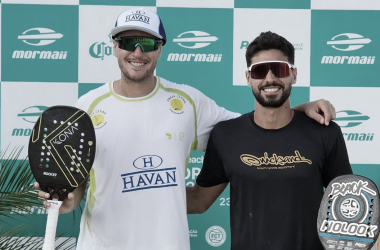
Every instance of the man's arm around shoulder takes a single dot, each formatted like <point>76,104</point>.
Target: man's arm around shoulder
<point>199,199</point>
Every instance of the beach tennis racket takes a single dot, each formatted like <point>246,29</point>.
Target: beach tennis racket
<point>348,217</point>
<point>61,153</point>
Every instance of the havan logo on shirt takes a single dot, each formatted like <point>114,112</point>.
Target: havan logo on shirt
<point>252,160</point>
<point>150,176</point>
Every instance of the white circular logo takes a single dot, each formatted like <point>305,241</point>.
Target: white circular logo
<point>350,208</point>
<point>215,236</point>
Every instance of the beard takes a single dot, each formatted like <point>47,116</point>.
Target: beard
<point>272,101</point>
<point>141,79</point>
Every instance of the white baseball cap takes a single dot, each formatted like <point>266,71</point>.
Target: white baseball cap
<point>140,19</point>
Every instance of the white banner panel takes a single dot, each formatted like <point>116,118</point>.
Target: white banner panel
<point>358,119</point>
<point>196,3</point>
<point>294,25</point>
<point>23,102</point>
<point>50,2</point>
<point>346,4</point>
<point>97,64</point>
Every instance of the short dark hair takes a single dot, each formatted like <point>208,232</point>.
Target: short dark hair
<point>266,41</point>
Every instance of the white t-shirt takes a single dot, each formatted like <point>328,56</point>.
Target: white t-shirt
<point>137,197</point>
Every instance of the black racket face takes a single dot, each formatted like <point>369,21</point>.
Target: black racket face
<point>348,217</point>
<point>61,149</point>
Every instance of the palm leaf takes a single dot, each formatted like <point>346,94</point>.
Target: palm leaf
<point>32,243</point>
<point>17,198</point>
<point>17,193</point>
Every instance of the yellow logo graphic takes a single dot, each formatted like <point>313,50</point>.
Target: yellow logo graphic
<point>97,119</point>
<point>252,160</point>
<point>176,104</point>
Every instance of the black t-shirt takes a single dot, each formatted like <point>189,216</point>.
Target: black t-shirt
<point>276,178</point>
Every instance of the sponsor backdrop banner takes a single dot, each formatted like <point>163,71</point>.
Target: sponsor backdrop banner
<point>54,51</point>
<point>41,43</point>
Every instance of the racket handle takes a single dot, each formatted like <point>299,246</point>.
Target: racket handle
<point>51,224</point>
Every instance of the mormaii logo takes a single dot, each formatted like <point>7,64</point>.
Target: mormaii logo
<point>31,114</point>
<point>194,40</point>
<point>348,41</point>
<point>39,36</point>
<point>199,39</point>
<point>348,119</point>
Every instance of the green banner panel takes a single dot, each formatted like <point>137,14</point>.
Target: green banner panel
<point>119,2</point>
<point>275,4</point>
<point>40,43</point>
<point>343,49</point>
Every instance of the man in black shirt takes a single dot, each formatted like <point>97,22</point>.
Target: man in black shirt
<point>276,159</point>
